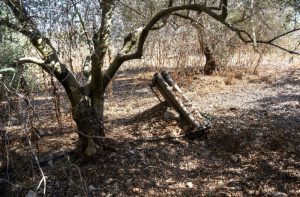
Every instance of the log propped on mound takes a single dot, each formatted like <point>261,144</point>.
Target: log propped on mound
<point>167,87</point>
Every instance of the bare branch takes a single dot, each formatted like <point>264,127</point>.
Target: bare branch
<point>132,9</point>
<point>277,46</point>
<point>284,34</point>
<point>32,60</point>
<point>28,28</point>
<point>163,13</point>
<point>138,37</point>
<point>88,40</point>
<point>164,20</point>
<point>249,38</point>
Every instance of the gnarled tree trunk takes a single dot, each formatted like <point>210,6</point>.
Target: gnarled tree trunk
<point>211,64</point>
<point>90,127</point>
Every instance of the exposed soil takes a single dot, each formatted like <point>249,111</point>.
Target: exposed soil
<point>253,148</point>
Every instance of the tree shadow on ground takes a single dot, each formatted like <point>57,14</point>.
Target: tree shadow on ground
<point>248,152</point>
<point>291,78</point>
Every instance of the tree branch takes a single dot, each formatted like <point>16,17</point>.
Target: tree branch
<point>249,38</point>
<point>43,45</point>
<point>88,40</point>
<point>132,9</point>
<point>101,42</point>
<point>102,36</point>
<point>277,46</point>
<point>144,33</point>
<point>16,27</point>
<point>138,37</point>
<point>32,60</point>
<point>283,34</point>
<point>224,13</point>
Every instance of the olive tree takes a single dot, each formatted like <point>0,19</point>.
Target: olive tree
<point>87,100</point>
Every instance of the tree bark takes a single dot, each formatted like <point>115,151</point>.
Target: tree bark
<point>87,109</point>
<point>90,127</point>
<point>211,64</point>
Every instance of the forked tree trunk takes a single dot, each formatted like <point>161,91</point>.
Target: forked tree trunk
<point>90,127</point>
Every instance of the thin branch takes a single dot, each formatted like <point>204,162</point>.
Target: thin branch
<point>250,39</point>
<point>15,92</point>
<point>224,4</point>
<point>222,7</point>
<point>284,34</point>
<point>148,5</point>
<point>164,20</point>
<point>88,40</point>
<point>43,45</point>
<point>132,9</point>
<point>32,60</point>
<point>198,25</point>
<point>277,46</point>
<point>43,180</point>
<point>85,189</point>
<point>170,3</point>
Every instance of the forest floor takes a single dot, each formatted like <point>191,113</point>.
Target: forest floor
<point>253,148</point>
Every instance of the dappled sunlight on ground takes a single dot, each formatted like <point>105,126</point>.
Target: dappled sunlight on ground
<point>252,149</point>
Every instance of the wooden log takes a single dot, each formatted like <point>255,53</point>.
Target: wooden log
<point>168,94</point>
<point>187,103</point>
<point>172,83</point>
<point>159,88</point>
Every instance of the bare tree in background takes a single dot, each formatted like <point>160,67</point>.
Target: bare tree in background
<point>87,100</point>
